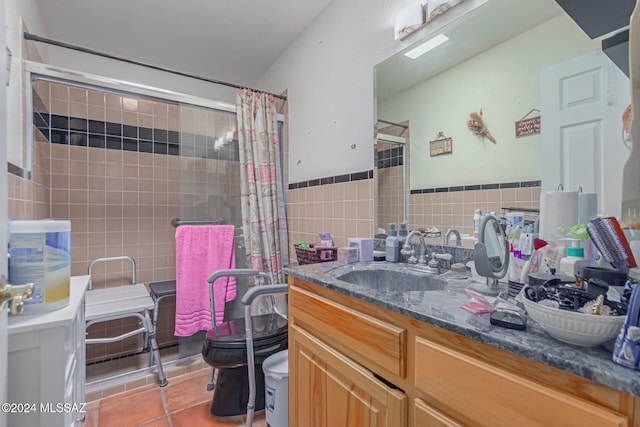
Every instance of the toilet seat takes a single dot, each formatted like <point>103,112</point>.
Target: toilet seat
<point>268,329</point>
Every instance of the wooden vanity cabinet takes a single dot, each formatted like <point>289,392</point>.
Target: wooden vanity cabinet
<point>352,363</point>
<point>332,390</point>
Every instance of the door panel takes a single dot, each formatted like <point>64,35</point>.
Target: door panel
<point>581,145</point>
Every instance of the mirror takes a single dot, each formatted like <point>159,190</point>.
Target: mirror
<point>491,65</point>
<point>491,254</point>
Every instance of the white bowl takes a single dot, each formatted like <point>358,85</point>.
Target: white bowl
<point>587,330</point>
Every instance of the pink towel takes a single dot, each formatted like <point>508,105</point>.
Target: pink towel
<point>200,251</point>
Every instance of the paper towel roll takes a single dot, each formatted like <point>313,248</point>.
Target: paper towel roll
<point>587,207</point>
<point>557,208</point>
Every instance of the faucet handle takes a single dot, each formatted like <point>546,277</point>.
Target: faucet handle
<point>434,262</point>
<point>446,257</point>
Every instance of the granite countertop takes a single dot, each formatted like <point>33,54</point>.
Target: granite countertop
<point>441,308</point>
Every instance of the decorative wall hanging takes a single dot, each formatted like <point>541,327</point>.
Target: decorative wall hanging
<point>477,126</point>
<point>530,126</point>
<point>438,7</point>
<point>441,145</point>
<point>409,20</point>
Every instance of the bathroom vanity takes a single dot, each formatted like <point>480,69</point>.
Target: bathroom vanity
<point>363,356</point>
<point>46,368</point>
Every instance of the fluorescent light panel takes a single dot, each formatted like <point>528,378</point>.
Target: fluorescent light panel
<point>426,46</point>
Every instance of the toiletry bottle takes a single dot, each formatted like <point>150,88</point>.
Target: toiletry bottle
<point>392,244</point>
<point>477,217</point>
<point>402,239</point>
<point>575,260</point>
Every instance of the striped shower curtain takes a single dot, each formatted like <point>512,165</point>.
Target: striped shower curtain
<point>264,221</point>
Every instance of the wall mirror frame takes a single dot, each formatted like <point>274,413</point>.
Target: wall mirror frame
<point>491,63</point>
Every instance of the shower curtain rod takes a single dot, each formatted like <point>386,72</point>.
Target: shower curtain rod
<point>35,38</point>
<point>393,124</point>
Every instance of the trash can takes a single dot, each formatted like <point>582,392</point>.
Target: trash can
<point>276,393</point>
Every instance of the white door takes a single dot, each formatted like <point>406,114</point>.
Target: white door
<point>4,345</point>
<point>582,101</point>
<point>3,210</point>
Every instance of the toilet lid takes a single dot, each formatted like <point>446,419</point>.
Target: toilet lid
<point>267,329</point>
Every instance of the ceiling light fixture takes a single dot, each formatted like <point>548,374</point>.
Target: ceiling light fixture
<point>426,46</point>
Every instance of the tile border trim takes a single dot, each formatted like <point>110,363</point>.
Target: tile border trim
<point>18,171</point>
<point>498,186</point>
<point>348,177</point>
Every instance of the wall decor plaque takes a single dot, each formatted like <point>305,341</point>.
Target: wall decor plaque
<point>530,126</point>
<point>441,145</point>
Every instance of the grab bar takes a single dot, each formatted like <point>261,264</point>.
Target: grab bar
<point>175,222</point>
<point>240,272</point>
<point>115,258</point>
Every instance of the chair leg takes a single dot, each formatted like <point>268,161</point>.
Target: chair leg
<point>162,379</point>
<point>150,355</point>
<point>154,325</point>
<point>155,352</point>
<point>210,386</point>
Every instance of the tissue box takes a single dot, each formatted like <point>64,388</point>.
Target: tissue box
<point>365,247</point>
<point>348,255</point>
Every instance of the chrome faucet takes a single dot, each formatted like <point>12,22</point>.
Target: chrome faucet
<point>14,296</point>
<point>407,250</point>
<point>448,234</point>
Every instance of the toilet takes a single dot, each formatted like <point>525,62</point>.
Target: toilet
<point>225,349</point>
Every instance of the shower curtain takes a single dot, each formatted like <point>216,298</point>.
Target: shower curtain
<point>264,221</point>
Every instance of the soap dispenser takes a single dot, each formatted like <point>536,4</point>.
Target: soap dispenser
<point>402,239</point>
<point>392,249</point>
<point>575,260</point>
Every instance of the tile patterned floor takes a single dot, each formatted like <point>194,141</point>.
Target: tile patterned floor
<point>184,402</point>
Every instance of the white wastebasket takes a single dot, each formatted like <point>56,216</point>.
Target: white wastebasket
<point>276,383</point>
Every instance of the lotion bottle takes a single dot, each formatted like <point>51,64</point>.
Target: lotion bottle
<point>392,248</point>
<point>575,260</point>
<point>477,218</point>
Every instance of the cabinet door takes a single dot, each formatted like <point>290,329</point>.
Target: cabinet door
<point>426,416</point>
<point>327,389</point>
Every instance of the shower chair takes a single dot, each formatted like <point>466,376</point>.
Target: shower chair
<point>121,302</point>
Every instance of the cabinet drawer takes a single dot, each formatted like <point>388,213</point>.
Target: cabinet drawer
<point>426,416</point>
<point>488,396</point>
<point>376,344</point>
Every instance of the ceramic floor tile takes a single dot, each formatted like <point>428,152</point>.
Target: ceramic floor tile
<point>187,390</point>
<point>258,420</point>
<point>92,414</point>
<point>198,416</point>
<point>131,408</point>
<point>162,422</point>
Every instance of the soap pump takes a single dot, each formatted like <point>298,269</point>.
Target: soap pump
<point>575,260</point>
<point>392,250</point>
<point>402,239</point>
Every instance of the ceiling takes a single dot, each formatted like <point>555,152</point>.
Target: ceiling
<point>229,40</point>
<point>483,28</point>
